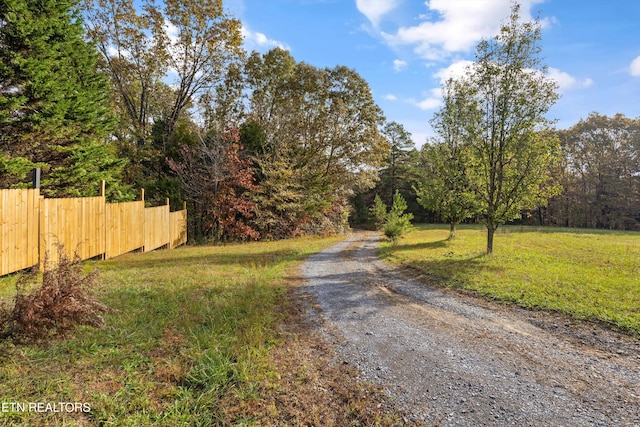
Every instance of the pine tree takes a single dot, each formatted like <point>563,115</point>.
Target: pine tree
<point>378,212</point>
<point>397,221</point>
<point>54,105</point>
<point>398,172</point>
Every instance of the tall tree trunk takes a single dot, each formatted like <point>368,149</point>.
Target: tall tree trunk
<point>491,229</point>
<point>540,217</point>
<point>452,230</point>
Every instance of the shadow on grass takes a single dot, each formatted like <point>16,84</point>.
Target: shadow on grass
<point>448,268</point>
<point>455,271</point>
<point>417,246</point>
<point>192,258</point>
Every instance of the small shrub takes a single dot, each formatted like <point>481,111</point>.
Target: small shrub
<point>398,222</point>
<point>396,227</point>
<point>378,213</point>
<point>56,307</point>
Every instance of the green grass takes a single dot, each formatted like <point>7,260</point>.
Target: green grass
<point>188,326</point>
<point>588,274</point>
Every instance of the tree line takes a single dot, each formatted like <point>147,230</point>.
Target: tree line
<point>496,158</point>
<point>595,177</point>
<point>162,96</point>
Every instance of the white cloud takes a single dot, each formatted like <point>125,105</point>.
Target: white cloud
<point>390,97</point>
<point>566,81</point>
<point>634,68</point>
<point>458,27</point>
<point>430,103</point>
<point>259,40</point>
<point>374,10</point>
<point>399,64</point>
<point>432,100</point>
<point>455,70</point>
<point>458,69</point>
<point>113,52</point>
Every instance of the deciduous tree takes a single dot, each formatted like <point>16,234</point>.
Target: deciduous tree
<point>444,185</point>
<point>510,144</point>
<point>602,157</point>
<point>161,59</point>
<point>218,181</point>
<point>315,137</point>
<point>165,61</point>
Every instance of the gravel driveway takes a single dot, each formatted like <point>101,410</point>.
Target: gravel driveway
<point>449,359</point>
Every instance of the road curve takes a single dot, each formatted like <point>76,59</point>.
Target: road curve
<point>446,360</point>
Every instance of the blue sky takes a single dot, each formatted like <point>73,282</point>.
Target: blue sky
<point>404,48</point>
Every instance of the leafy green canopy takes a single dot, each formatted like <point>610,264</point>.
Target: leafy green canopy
<point>601,183</point>
<point>445,185</point>
<point>314,136</point>
<point>54,106</point>
<point>505,141</point>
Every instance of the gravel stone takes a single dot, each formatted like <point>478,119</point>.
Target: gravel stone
<point>455,360</point>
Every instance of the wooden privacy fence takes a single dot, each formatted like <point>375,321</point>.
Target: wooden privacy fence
<point>32,228</point>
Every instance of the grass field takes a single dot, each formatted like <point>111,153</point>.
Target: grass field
<point>588,274</point>
<point>192,326</point>
<point>187,327</point>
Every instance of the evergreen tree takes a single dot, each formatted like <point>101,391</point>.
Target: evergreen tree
<point>378,212</point>
<point>397,221</point>
<point>54,106</point>
<point>400,161</point>
<point>400,172</point>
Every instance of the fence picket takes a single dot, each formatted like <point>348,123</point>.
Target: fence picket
<point>31,227</point>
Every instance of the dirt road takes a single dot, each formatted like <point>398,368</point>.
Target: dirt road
<point>450,360</point>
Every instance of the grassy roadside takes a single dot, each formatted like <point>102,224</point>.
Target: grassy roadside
<point>189,328</point>
<point>588,274</point>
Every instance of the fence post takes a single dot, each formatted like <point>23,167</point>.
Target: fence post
<point>35,177</point>
<point>42,229</point>
<point>103,192</point>
<point>144,222</point>
<point>186,222</point>
<point>167,225</point>
<point>73,222</point>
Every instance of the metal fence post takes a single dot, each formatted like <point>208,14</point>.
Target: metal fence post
<point>35,177</point>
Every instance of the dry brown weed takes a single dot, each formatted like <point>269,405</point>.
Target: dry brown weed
<point>61,302</point>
